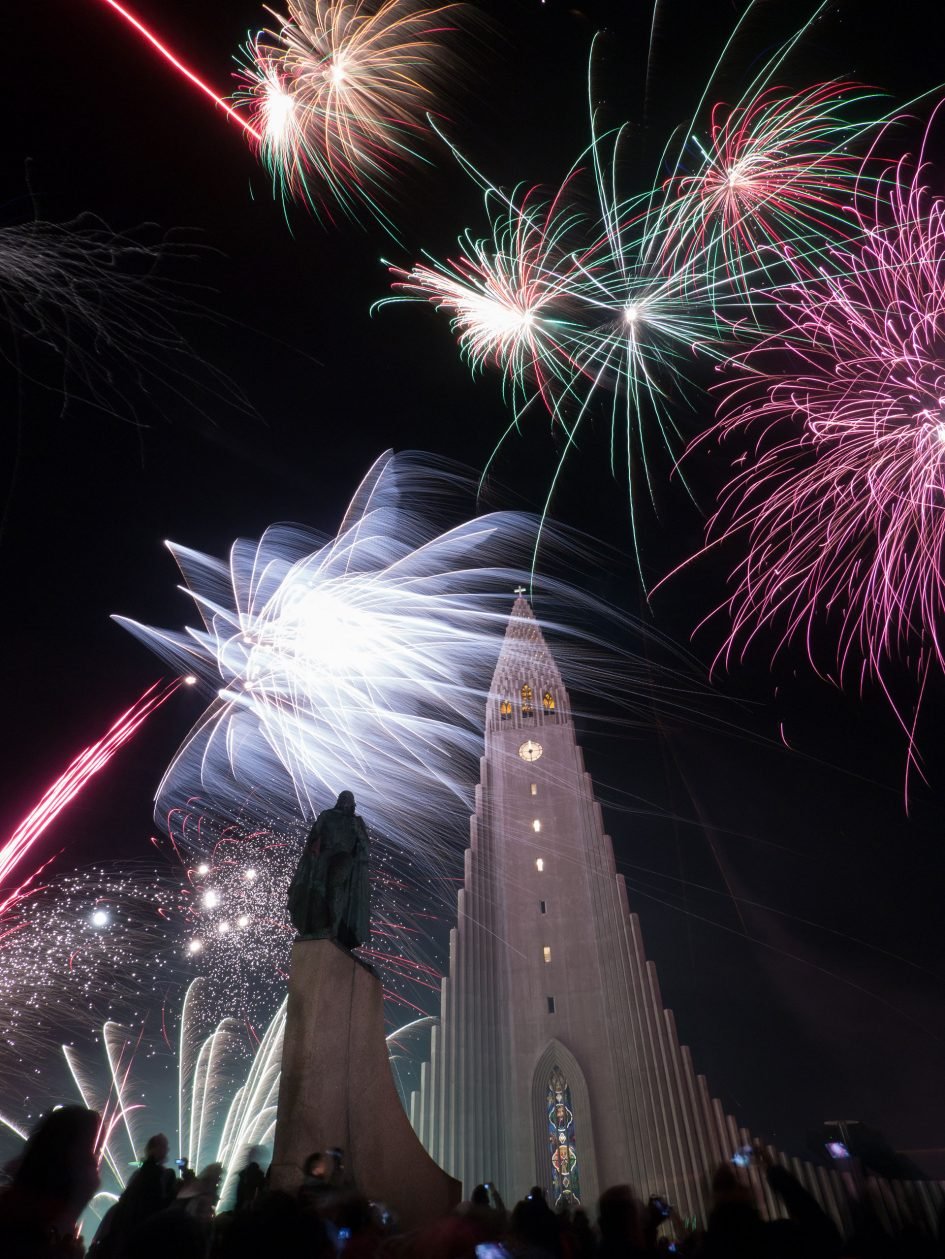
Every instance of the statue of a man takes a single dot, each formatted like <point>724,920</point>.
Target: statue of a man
<point>330,893</point>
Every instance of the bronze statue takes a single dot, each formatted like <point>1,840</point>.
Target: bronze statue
<point>330,895</point>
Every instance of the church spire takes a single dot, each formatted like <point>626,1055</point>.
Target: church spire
<point>526,689</point>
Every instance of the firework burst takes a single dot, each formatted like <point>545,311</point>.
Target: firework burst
<point>841,504</point>
<point>363,661</point>
<point>507,294</point>
<point>339,95</point>
<point>582,310</point>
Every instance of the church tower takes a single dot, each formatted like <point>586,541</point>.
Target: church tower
<point>554,1062</point>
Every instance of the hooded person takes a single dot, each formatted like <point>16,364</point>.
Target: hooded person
<point>330,893</point>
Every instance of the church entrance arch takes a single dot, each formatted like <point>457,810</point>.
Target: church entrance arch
<point>565,1163</point>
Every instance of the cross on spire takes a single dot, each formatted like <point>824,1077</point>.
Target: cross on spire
<point>519,590</point>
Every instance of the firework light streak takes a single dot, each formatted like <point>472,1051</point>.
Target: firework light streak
<point>67,786</point>
<point>147,34</point>
<point>840,505</point>
<point>339,95</point>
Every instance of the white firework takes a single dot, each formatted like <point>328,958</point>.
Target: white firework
<point>362,661</point>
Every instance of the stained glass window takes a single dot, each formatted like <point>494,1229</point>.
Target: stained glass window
<point>527,696</point>
<point>548,702</point>
<point>505,709</point>
<point>565,1185</point>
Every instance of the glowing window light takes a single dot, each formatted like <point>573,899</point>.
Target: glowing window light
<point>536,826</point>
<point>539,864</point>
<point>534,789</point>
<point>546,953</point>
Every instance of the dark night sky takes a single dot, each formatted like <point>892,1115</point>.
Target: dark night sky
<point>824,995</point>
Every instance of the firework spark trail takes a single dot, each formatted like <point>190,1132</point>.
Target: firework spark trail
<point>156,43</point>
<point>339,96</point>
<point>104,304</point>
<point>70,783</point>
<point>838,499</point>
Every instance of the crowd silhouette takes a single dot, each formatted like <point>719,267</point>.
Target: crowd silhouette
<point>178,1215</point>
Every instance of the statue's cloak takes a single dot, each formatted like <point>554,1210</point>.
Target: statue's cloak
<point>330,893</point>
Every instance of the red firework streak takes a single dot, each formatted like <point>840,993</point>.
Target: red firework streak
<point>71,782</point>
<point>179,66</point>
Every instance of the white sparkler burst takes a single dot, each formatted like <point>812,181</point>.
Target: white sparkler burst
<point>363,661</point>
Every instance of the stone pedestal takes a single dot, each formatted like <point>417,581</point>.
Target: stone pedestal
<point>337,1089</point>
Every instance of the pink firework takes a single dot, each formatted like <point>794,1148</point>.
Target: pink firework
<point>69,783</point>
<point>841,492</point>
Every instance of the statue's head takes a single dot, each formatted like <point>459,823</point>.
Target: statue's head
<point>345,802</point>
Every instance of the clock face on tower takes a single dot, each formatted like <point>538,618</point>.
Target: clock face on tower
<point>530,750</point>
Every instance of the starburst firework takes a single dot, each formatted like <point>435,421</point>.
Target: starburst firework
<point>775,176</point>
<point>582,310</point>
<point>340,92</point>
